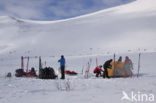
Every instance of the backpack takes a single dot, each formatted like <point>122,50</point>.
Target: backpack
<point>8,75</point>
<point>47,73</point>
<point>19,72</point>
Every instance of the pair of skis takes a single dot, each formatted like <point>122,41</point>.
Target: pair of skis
<point>88,68</point>
<point>22,63</point>
<point>63,85</point>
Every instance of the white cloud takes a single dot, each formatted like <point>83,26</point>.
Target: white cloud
<point>23,8</point>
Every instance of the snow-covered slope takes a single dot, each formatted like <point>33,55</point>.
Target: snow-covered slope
<point>129,26</point>
<point>100,34</point>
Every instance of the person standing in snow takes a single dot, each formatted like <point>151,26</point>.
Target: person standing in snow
<point>120,59</point>
<point>128,67</point>
<point>107,65</point>
<point>62,62</point>
<point>98,70</point>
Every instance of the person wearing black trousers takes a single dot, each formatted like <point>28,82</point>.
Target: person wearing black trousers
<point>107,65</point>
<point>62,66</point>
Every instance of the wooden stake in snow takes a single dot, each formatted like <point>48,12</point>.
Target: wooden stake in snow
<point>139,64</point>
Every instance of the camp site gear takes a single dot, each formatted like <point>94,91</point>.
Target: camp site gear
<point>19,72</point>
<point>47,73</point>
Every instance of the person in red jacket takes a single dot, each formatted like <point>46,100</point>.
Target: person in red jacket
<point>98,70</point>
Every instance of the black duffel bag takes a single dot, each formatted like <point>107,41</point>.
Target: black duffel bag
<point>19,72</point>
<point>47,73</point>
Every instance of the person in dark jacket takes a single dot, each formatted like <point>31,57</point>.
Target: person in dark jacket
<point>106,66</point>
<point>62,66</point>
<point>120,59</point>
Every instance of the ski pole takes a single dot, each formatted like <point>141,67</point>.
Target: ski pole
<point>22,62</point>
<point>96,61</point>
<point>27,64</point>
<point>139,64</point>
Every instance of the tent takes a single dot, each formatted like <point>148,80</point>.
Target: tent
<point>120,69</point>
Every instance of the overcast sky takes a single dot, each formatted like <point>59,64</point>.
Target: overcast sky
<point>53,9</point>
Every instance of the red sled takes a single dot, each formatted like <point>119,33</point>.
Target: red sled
<point>68,72</point>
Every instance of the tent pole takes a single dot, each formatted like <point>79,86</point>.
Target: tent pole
<point>114,65</point>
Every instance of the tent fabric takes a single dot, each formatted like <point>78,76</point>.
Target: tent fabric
<point>119,69</point>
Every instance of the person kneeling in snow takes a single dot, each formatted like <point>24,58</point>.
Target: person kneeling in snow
<point>98,70</point>
<point>33,72</point>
